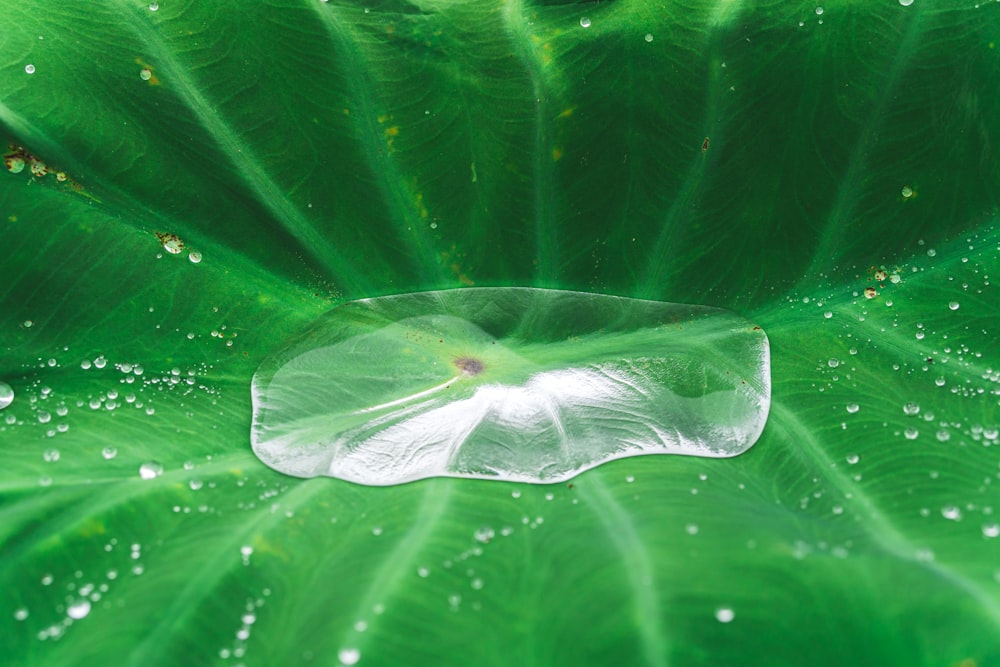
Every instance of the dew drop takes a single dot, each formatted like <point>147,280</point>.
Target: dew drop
<point>79,609</point>
<point>907,192</point>
<point>20,614</point>
<point>906,3</point>
<point>911,433</point>
<point>953,305</point>
<point>724,615</point>
<point>911,408</point>
<point>853,458</point>
<point>145,74</point>
<point>30,69</point>
<point>991,530</point>
<point>195,257</point>
<point>819,11</point>
<point>484,534</point>
<point>833,363</point>
<point>951,512</point>
<point>150,470</point>
<point>649,37</point>
<point>109,453</point>
<point>6,395</point>
<point>349,656</point>
<point>153,6</point>
<point>853,407</point>
<point>584,22</point>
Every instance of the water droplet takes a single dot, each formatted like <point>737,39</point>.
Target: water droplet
<point>991,530</point>
<point>51,455</point>
<point>459,419</point>
<point>484,534</point>
<point>953,305</point>
<point>194,256</point>
<point>6,395</point>
<point>349,656</point>
<point>870,293</point>
<point>911,408</point>
<point>691,529</point>
<point>145,74</point>
<point>853,407</point>
<point>833,363</point>
<point>911,433</point>
<point>30,69</point>
<point>423,572</point>
<point>360,626</point>
<point>109,453</point>
<point>20,614</point>
<point>78,609</point>
<point>931,252</point>
<point>724,615</point>
<point>951,512</point>
<point>819,11</point>
<point>477,584</point>
<point>196,484</point>
<point>907,192</point>
<point>153,6</point>
<point>853,458</point>
<point>906,3</point>
<point>649,37</point>
<point>584,22</point>
<point>150,470</point>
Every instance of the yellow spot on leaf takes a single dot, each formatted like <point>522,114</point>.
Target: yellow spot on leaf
<point>392,131</point>
<point>557,154</point>
<point>566,113</point>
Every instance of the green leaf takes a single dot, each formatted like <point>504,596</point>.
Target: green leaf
<point>766,158</point>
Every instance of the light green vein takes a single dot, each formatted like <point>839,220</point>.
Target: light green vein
<point>398,197</point>
<point>546,245</point>
<point>399,563</point>
<point>638,567</point>
<point>204,583</point>
<point>178,78</point>
<point>841,212</point>
<point>882,532</point>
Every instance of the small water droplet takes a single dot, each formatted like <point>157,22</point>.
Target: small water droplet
<point>819,11</point>
<point>833,363</point>
<point>195,257</point>
<point>911,408</point>
<point>6,395</point>
<point>649,37</point>
<point>423,572</point>
<point>953,305</point>
<point>477,584</point>
<point>79,609</point>
<point>51,455</point>
<point>20,614</point>
<point>911,433</point>
<point>584,22</point>
<point>349,656</point>
<point>691,529</point>
<point>906,3</point>
<point>853,407</point>
<point>951,512</point>
<point>150,470</point>
<point>991,530</point>
<point>853,458</point>
<point>484,534</point>
<point>30,69</point>
<point>724,615</point>
<point>907,192</point>
<point>109,453</point>
<point>153,6</point>
<point>145,74</point>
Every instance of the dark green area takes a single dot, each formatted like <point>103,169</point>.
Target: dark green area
<point>315,152</point>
